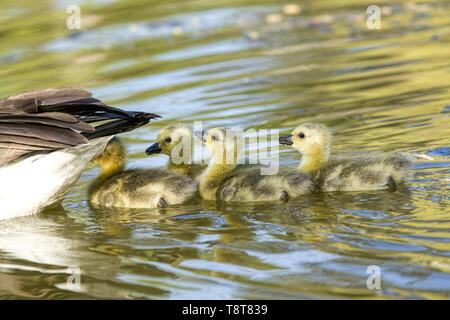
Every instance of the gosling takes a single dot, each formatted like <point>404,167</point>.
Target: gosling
<point>313,141</point>
<point>137,188</point>
<point>174,140</point>
<point>224,180</point>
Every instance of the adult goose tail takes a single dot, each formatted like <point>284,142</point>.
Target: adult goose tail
<point>57,118</point>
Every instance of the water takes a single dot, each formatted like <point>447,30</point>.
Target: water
<point>242,64</point>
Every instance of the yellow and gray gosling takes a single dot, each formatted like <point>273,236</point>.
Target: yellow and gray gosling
<point>137,188</point>
<point>224,180</point>
<point>177,136</point>
<point>313,141</point>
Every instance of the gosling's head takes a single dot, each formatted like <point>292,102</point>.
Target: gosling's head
<point>169,137</point>
<point>113,158</point>
<point>309,139</point>
<point>223,144</point>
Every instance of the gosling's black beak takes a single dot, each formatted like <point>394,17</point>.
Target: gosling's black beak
<point>154,148</point>
<point>287,140</point>
<point>200,135</point>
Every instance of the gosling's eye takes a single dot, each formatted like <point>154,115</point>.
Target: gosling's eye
<point>215,138</point>
<point>168,140</point>
<point>301,135</point>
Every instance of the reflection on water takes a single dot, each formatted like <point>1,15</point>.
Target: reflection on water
<point>244,64</point>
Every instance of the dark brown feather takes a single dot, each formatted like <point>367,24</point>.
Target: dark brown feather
<point>19,106</point>
<point>51,96</point>
<point>33,141</point>
<point>43,132</point>
<point>56,119</point>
